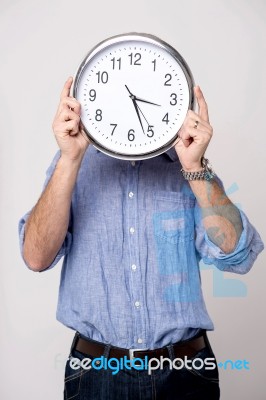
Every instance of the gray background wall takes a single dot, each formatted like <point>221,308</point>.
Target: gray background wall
<point>42,44</point>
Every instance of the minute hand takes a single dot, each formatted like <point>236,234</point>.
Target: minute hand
<point>137,111</point>
<point>145,101</point>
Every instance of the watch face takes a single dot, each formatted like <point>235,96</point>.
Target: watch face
<point>135,91</point>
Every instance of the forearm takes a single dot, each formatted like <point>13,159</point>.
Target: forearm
<point>47,225</point>
<point>220,216</point>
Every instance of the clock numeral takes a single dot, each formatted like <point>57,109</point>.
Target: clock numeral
<point>166,118</point>
<point>131,135</point>
<point>154,65</point>
<point>92,94</point>
<point>137,57</point>
<point>173,102</point>
<point>168,78</point>
<point>114,126</point>
<point>116,62</point>
<point>102,77</point>
<point>150,130</point>
<point>98,115</point>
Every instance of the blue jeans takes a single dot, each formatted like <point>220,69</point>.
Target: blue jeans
<point>133,384</point>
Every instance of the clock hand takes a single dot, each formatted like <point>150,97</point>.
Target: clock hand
<point>137,111</point>
<point>135,106</point>
<point>150,131</point>
<point>133,97</point>
<point>131,94</point>
<point>145,101</point>
<point>142,114</point>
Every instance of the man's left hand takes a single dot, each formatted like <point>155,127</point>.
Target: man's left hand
<point>195,135</point>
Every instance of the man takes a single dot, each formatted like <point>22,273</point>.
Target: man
<point>132,235</point>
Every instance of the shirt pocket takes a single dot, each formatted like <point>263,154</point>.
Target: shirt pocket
<point>173,217</point>
<point>174,234</point>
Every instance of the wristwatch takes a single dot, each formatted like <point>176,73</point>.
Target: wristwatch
<point>206,174</point>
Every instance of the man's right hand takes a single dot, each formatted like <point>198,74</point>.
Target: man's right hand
<point>67,127</point>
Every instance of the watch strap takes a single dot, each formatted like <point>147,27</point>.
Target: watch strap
<point>206,174</point>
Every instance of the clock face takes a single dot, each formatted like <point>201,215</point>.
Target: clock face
<point>135,91</point>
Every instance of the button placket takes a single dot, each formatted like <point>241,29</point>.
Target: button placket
<point>133,268</point>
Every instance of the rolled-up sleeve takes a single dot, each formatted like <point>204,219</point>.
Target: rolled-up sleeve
<point>22,223</point>
<point>241,259</point>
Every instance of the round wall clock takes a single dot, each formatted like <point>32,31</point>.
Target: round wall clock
<point>135,91</point>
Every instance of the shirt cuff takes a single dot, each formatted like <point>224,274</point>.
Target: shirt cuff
<point>62,252</point>
<point>241,259</point>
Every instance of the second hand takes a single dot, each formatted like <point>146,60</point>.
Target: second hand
<point>142,114</point>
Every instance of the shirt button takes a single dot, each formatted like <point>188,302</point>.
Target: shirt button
<point>140,340</point>
<point>130,195</point>
<point>132,230</point>
<point>137,303</point>
<point>134,267</point>
<point>133,163</point>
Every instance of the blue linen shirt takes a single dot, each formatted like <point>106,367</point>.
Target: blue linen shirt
<point>130,275</point>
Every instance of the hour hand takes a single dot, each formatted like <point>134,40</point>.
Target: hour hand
<point>131,95</point>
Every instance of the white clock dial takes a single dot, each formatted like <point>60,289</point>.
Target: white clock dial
<point>135,92</point>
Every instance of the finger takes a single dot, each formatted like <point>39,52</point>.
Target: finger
<point>67,114</point>
<point>192,117</point>
<point>66,89</point>
<point>185,138</point>
<point>72,127</point>
<point>187,142</point>
<point>202,105</point>
<point>70,102</point>
<point>199,125</point>
<point>200,136</point>
<point>194,121</point>
<point>62,128</point>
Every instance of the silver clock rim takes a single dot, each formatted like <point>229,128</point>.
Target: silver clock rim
<point>144,37</point>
